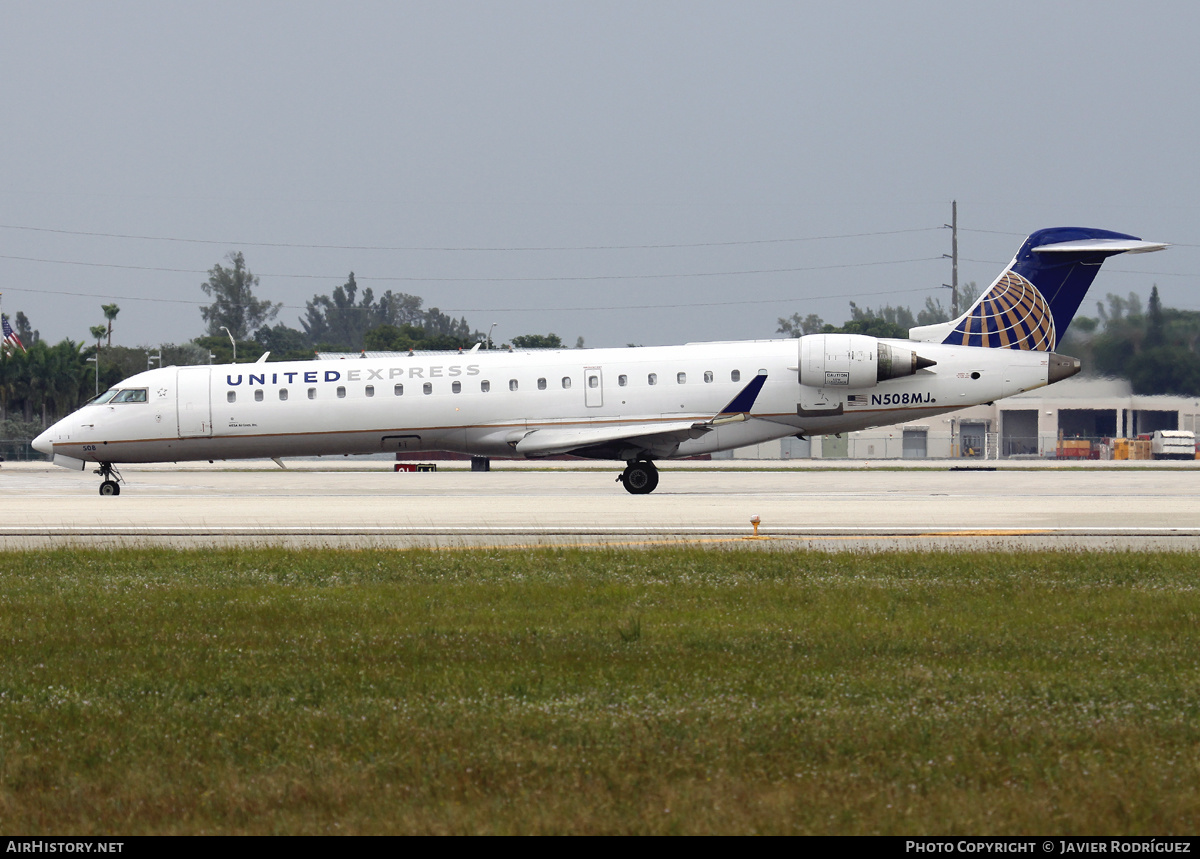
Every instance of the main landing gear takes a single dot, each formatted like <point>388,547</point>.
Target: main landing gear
<point>639,477</point>
<point>109,486</point>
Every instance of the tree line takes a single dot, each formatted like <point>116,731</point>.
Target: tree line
<point>1156,348</point>
<point>887,321</point>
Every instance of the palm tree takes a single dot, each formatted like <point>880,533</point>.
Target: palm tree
<point>65,369</point>
<point>7,376</point>
<point>110,313</point>
<point>37,378</point>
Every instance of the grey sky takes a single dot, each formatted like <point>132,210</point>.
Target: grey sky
<point>569,125</point>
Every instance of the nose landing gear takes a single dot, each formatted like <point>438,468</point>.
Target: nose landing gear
<point>109,486</point>
<point>639,477</point>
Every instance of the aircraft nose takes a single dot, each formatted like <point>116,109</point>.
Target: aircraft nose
<point>44,443</point>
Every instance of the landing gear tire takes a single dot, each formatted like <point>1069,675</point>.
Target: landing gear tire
<point>639,478</point>
<point>108,473</point>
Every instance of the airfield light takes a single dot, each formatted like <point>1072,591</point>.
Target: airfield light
<point>232,341</point>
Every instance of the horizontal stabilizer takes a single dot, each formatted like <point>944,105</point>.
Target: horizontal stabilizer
<point>1105,246</point>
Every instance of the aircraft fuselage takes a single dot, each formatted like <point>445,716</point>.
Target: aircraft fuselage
<point>487,402</point>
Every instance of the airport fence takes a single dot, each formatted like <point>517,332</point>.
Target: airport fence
<point>19,450</point>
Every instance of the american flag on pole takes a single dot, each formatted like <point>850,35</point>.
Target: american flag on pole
<point>10,336</point>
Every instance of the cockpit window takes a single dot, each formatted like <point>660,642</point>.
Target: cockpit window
<point>103,398</point>
<point>132,395</point>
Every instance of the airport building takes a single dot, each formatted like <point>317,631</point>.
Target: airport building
<point>1070,419</point>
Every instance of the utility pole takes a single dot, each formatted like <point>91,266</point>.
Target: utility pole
<point>953,257</point>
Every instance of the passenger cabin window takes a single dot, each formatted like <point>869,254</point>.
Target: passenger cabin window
<point>231,396</point>
<point>341,392</point>
<point>593,381</point>
<point>131,395</point>
<point>485,386</point>
<point>369,390</point>
<point>398,390</point>
<point>566,382</point>
<point>512,384</point>
<point>258,395</point>
<point>456,387</point>
<point>283,393</point>
<point>427,387</point>
<point>312,393</point>
<point>622,380</point>
<point>681,378</point>
<point>652,379</point>
<point>735,376</point>
<point>708,376</point>
<point>541,384</point>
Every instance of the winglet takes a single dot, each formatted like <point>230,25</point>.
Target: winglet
<point>744,401</point>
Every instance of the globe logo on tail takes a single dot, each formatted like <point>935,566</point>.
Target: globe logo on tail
<point>1012,315</point>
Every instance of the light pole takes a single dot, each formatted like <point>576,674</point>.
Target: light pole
<point>232,341</point>
<point>489,337</point>
<point>95,360</point>
<point>157,358</point>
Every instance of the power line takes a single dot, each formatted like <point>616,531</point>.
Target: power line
<point>305,246</point>
<point>555,279</point>
<point>792,299</point>
<point>991,232</point>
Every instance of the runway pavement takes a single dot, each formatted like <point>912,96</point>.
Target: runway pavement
<point>866,507</point>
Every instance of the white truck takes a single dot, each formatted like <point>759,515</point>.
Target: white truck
<point>1173,444</point>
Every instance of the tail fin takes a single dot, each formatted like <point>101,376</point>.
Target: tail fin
<point>1034,300</point>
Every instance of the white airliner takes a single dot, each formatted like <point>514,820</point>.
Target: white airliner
<point>637,405</point>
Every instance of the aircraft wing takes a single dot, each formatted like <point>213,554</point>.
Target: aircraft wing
<point>550,441</point>
<point>655,436</point>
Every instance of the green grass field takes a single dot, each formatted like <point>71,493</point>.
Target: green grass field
<point>584,691</point>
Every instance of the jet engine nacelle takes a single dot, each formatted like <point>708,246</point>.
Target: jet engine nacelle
<point>854,361</point>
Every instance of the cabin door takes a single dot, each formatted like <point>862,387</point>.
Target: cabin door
<point>194,405</point>
<point>593,387</point>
